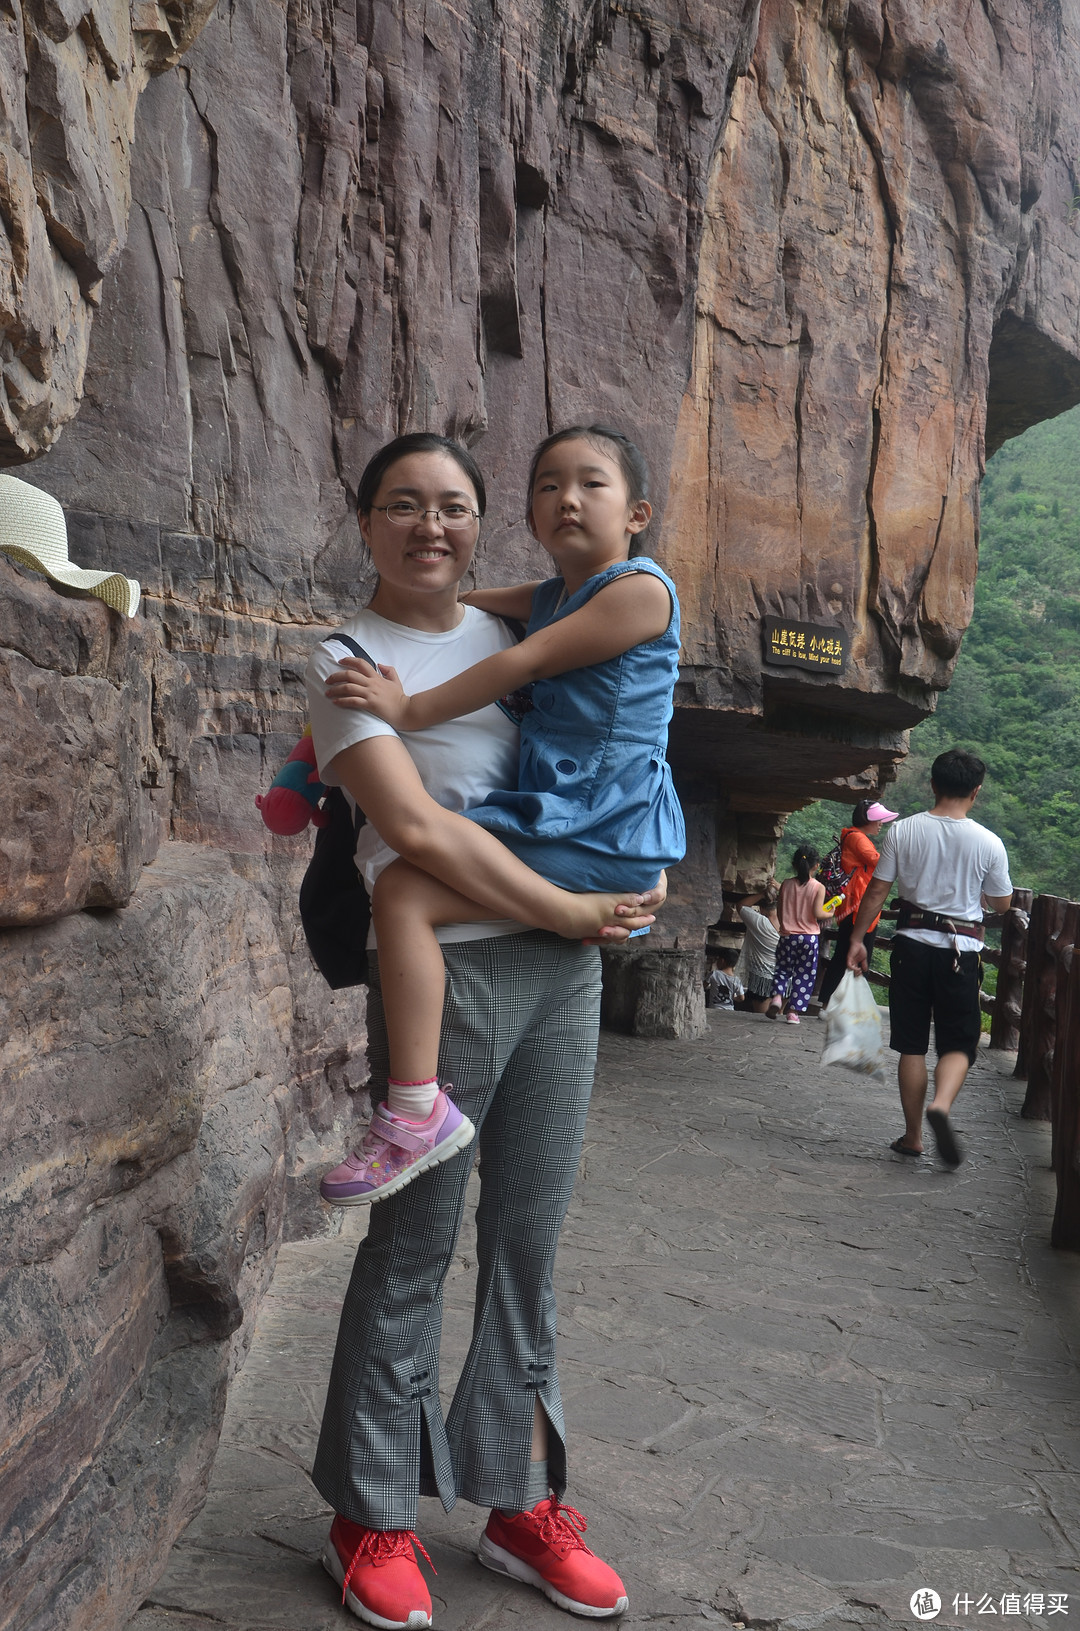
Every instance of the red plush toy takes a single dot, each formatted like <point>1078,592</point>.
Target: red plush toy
<point>293,799</point>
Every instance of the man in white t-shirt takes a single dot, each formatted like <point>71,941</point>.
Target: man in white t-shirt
<point>946,868</point>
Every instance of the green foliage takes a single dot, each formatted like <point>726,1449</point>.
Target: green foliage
<point>819,824</point>
<point>1015,696</point>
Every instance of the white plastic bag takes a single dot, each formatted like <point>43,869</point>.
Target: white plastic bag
<point>853,1029</point>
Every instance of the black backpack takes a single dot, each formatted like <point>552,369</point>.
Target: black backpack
<point>334,906</point>
<point>832,873</point>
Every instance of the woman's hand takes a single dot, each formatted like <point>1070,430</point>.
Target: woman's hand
<point>655,897</point>
<point>358,685</point>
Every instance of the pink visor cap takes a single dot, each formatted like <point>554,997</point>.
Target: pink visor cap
<point>878,812</point>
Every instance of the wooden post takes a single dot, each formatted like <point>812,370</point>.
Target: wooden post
<point>1066,1227</point>
<point>1037,1016</point>
<point>1008,999</point>
<point>1062,1078</point>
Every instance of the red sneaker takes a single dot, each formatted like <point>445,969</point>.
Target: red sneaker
<point>545,1549</point>
<point>378,1574</point>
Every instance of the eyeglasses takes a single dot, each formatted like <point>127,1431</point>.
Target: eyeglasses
<point>404,514</point>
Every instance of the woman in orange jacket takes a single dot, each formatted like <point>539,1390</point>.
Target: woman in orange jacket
<point>859,856</point>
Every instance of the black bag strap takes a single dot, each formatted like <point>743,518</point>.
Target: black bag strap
<point>353,647</point>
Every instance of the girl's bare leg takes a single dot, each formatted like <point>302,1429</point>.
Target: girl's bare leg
<point>407,906</point>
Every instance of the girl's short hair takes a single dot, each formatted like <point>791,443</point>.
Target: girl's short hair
<point>858,815</point>
<point>417,441</point>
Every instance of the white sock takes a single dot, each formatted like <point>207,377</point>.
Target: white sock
<point>413,1101</point>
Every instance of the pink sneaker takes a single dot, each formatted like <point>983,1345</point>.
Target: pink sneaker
<point>393,1152</point>
<point>378,1574</point>
<point>544,1548</point>
<point>792,1018</point>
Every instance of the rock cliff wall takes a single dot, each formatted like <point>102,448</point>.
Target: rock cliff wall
<point>818,256</point>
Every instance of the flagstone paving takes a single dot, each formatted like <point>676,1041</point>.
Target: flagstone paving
<point>804,1378</point>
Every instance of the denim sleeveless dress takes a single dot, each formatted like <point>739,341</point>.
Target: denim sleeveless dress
<point>595,807</point>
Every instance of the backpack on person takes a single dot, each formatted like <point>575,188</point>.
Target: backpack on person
<point>832,873</point>
<point>335,908</point>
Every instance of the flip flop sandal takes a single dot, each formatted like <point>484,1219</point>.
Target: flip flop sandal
<point>903,1149</point>
<point>944,1137</point>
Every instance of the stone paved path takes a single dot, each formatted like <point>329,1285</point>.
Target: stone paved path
<point>803,1377</point>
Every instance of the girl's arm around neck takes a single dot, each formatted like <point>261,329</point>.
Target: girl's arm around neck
<point>630,611</point>
<point>513,601</point>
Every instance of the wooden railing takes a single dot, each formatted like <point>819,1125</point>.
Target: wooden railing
<point>1004,1005</point>
<point>1035,1012</point>
<point>1049,1051</point>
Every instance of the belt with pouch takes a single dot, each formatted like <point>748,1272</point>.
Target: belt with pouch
<point>911,916</point>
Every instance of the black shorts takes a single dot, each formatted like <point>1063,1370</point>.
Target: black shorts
<point>924,983</point>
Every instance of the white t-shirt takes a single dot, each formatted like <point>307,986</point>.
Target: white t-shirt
<point>724,988</point>
<point>945,866</point>
<point>460,762</point>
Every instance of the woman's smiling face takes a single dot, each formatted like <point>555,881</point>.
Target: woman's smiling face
<point>426,557</point>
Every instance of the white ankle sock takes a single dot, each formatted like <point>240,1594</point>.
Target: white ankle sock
<point>412,1100</point>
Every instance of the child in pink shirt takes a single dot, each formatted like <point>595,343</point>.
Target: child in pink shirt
<point>801,912</point>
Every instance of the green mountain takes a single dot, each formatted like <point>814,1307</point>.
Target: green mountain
<point>1015,696</point>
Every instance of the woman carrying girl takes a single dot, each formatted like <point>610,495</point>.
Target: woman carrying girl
<point>519,1005</point>
<point>594,807</point>
<point>801,911</point>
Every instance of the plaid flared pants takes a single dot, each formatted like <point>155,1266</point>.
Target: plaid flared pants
<point>519,1033</point>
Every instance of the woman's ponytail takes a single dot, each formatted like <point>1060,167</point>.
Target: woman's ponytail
<point>804,861</point>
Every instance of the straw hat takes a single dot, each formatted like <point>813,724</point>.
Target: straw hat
<point>34,532</point>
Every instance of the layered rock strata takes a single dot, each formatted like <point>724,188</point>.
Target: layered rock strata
<point>818,257</point>
<point>172,1069</point>
<point>146,1084</point>
<point>71,72</point>
<point>803,251</point>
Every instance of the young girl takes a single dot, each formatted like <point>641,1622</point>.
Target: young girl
<point>801,911</point>
<point>594,809</point>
